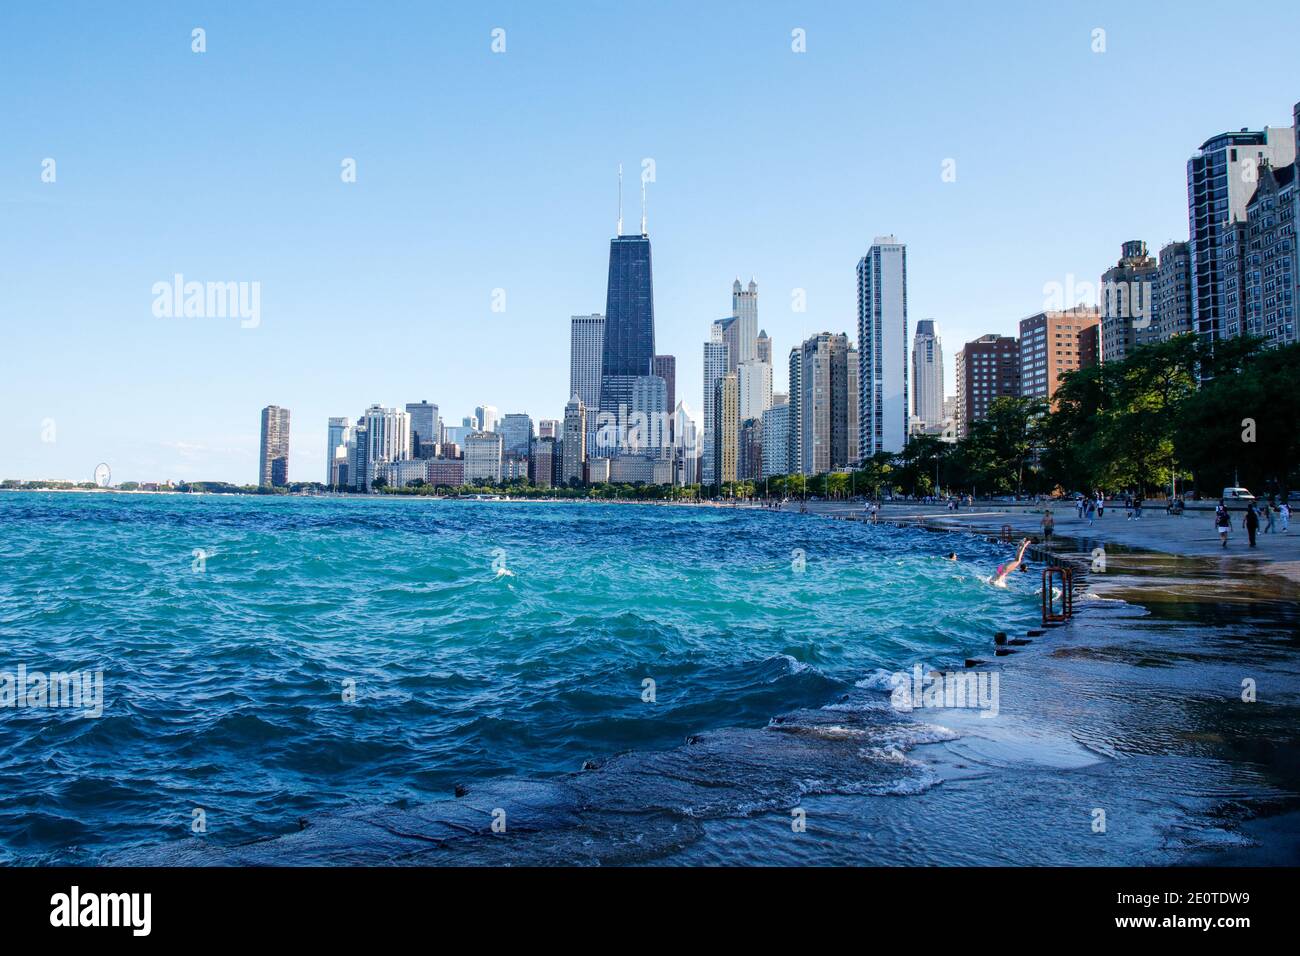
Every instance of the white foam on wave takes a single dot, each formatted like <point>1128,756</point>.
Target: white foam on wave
<point>796,666</point>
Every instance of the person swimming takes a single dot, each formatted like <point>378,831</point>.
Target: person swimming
<point>1005,570</point>
<point>952,555</point>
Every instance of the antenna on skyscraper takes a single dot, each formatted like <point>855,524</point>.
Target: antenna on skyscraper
<point>643,232</point>
<point>619,231</point>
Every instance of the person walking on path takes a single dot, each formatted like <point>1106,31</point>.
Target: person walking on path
<point>1101,505</point>
<point>1270,510</point>
<point>1049,526</point>
<point>1090,509</point>
<point>1284,510</point>
<point>1251,522</point>
<point>1222,522</point>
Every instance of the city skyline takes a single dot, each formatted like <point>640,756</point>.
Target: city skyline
<point>414,251</point>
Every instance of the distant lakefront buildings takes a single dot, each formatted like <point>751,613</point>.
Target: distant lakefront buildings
<point>849,395</point>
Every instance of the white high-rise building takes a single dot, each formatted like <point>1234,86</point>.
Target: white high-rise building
<point>927,375</point>
<point>686,447</point>
<point>882,348</point>
<point>715,366</point>
<point>483,457</point>
<point>586,344</point>
<point>776,440</point>
<point>755,380</point>
<point>388,439</point>
<point>744,308</point>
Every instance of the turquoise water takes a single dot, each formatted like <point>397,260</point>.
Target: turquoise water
<point>483,640</point>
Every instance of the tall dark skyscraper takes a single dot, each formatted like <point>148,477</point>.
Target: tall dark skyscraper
<point>629,345</point>
<point>665,366</point>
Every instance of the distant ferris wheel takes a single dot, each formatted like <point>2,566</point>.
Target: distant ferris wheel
<point>103,475</point>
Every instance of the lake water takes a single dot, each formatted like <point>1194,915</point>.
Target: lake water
<point>320,659</point>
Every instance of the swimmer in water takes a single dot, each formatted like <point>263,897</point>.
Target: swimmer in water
<point>1005,570</point>
<point>952,555</point>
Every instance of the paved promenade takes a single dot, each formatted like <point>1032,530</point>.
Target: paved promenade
<point>1189,535</point>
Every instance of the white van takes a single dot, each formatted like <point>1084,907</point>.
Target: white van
<point>1236,494</point>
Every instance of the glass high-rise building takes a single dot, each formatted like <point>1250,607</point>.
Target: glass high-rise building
<point>776,440</point>
<point>424,428</point>
<point>1221,178</point>
<point>686,447</point>
<point>517,433</point>
<point>338,430</point>
<point>882,348</point>
<point>629,341</point>
<point>358,466</point>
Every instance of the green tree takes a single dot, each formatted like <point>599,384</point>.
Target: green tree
<point>1241,424</point>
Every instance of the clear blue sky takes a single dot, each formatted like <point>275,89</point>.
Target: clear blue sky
<point>479,171</point>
